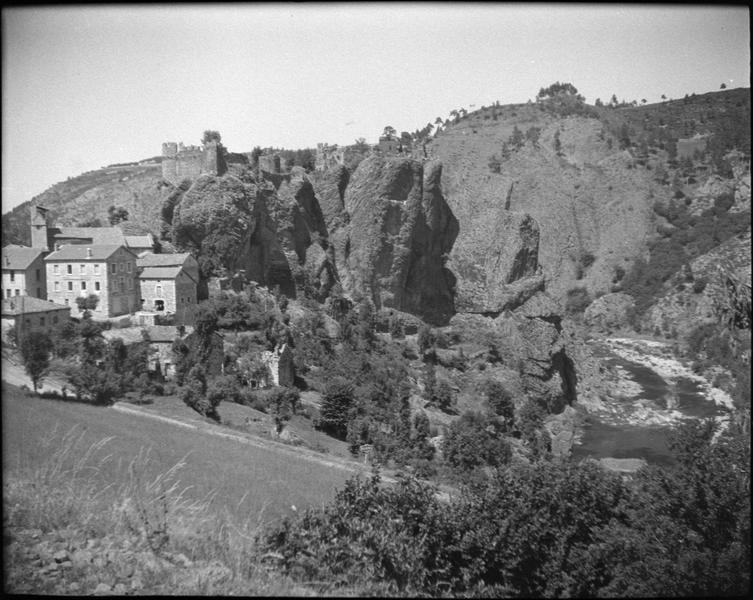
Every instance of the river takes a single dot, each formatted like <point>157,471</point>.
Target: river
<point>651,393</point>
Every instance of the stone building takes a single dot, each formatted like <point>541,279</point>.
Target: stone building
<point>23,272</point>
<point>388,145</point>
<point>160,337</point>
<point>181,162</point>
<point>107,271</point>
<point>687,147</point>
<point>168,284</point>
<point>25,314</point>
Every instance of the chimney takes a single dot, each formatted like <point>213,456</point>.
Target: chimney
<point>88,253</point>
<point>57,246</point>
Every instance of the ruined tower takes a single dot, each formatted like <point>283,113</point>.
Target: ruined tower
<point>39,226</point>
<point>169,157</point>
<point>181,162</point>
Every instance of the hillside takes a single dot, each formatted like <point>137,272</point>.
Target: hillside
<point>137,188</point>
<point>589,177</point>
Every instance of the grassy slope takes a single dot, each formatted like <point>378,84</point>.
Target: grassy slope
<point>246,479</point>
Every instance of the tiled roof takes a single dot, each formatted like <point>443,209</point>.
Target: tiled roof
<point>97,235</point>
<point>19,257</point>
<point>159,272</point>
<point>139,241</point>
<point>79,252</point>
<point>162,260</point>
<point>22,305</point>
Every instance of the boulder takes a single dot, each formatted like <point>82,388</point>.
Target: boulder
<point>610,312</point>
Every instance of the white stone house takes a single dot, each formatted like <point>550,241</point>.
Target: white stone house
<point>168,284</point>
<point>107,271</point>
<point>23,272</point>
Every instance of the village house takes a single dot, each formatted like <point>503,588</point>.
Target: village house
<point>107,271</point>
<point>160,337</point>
<point>48,238</point>
<point>25,314</point>
<point>23,272</point>
<point>168,284</point>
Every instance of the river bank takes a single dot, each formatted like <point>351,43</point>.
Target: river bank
<point>649,392</point>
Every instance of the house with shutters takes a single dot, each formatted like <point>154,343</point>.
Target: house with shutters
<point>168,284</point>
<point>23,272</point>
<point>108,271</point>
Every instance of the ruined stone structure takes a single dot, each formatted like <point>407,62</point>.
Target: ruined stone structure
<point>328,156</point>
<point>279,362</point>
<point>269,163</point>
<point>181,162</point>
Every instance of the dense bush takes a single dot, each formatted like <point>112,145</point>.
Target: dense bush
<point>475,440</point>
<point>546,530</point>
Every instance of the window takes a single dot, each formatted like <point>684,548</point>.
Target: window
<point>82,269</point>
<point>130,283</point>
<point>158,289</point>
<point>122,285</point>
<point>12,275</point>
<point>17,293</point>
<point>39,275</point>
<point>41,321</point>
<point>56,285</point>
<point>39,292</point>
<point>113,268</point>
<point>96,268</point>
<point>54,320</point>
<point>55,269</point>
<point>70,286</point>
<point>96,286</point>
<point>122,267</point>
<point>28,322</point>
<point>66,301</point>
<point>129,266</point>
<point>70,269</point>
<point>7,293</point>
<point>83,285</point>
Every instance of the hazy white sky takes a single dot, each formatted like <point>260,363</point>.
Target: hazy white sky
<point>83,87</point>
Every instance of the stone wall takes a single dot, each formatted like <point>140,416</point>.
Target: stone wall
<point>181,162</point>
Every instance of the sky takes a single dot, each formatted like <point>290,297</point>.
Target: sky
<point>87,86</point>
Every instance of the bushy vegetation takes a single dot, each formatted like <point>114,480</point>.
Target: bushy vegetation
<point>688,237</point>
<point>546,530</point>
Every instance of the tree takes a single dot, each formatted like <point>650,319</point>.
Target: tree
<point>389,132</point>
<point>557,143</point>
<point>557,89</point>
<point>500,399</point>
<point>211,135</point>
<point>663,97</point>
<point>283,404</point>
<point>336,406</point>
<point>723,86</point>
<point>87,303</point>
<point>35,353</point>
<point>475,440</point>
<point>116,214</point>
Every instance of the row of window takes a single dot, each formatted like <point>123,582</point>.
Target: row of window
<point>123,267</point>
<point>38,275</point>
<point>122,284</point>
<point>27,321</point>
<point>16,292</point>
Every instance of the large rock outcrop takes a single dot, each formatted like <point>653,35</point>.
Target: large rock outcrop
<point>397,231</point>
<point>226,220</point>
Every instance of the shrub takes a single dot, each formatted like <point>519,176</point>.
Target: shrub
<point>699,285</point>
<point>336,406</point>
<point>475,440</point>
<point>577,300</point>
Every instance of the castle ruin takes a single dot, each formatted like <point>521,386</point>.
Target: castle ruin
<point>328,157</point>
<point>181,162</point>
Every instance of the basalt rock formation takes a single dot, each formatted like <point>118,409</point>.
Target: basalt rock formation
<point>397,231</point>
